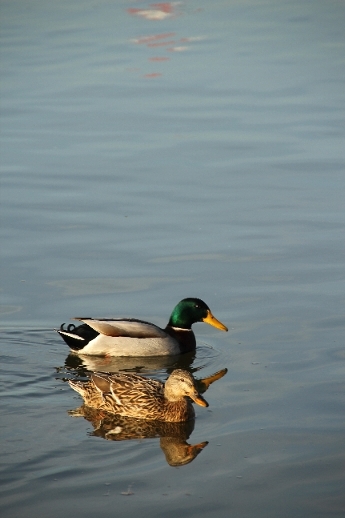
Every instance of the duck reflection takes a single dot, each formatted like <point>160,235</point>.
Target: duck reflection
<point>127,406</point>
<point>204,383</point>
<point>172,436</point>
<point>84,364</point>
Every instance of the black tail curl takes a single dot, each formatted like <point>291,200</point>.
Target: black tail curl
<point>84,331</point>
<point>69,329</point>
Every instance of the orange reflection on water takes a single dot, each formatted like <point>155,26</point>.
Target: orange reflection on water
<point>156,12</point>
<point>154,74</point>
<point>149,39</point>
<point>168,41</point>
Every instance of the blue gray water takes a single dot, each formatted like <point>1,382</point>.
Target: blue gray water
<point>151,152</point>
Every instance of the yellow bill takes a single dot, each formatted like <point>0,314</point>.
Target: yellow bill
<point>210,319</point>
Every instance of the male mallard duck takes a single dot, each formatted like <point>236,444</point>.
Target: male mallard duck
<point>132,395</point>
<point>132,337</point>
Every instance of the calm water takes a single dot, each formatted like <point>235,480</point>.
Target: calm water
<point>152,152</point>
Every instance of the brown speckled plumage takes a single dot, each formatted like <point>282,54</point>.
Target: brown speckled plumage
<point>132,395</point>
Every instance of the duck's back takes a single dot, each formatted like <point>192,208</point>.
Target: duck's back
<point>119,337</point>
<point>132,396</point>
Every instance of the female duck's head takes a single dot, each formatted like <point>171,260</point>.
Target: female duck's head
<point>180,384</point>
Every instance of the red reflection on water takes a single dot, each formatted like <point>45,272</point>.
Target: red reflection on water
<point>144,40</point>
<point>168,40</point>
<point>155,12</point>
<point>166,7</point>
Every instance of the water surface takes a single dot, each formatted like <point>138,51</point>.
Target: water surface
<point>152,152</point>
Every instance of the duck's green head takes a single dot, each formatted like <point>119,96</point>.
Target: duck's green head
<point>189,311</point>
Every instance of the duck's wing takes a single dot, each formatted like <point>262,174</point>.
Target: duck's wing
<point>128,389</point>
<point>131,328</point>
<point>102,381</point>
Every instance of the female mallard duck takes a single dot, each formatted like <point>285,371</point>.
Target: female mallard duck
<point>132,337</point>
<point>132,395</point>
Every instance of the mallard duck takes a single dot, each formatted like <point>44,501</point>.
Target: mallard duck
<point>131,395</point>
<point>133,337</point>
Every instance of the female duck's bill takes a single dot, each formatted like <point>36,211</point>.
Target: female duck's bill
<point>133,337</point>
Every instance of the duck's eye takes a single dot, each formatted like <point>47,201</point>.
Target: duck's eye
<point>197,306</point>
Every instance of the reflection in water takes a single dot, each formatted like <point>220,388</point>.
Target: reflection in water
<point>204,383</point>
<point>173,436</point>
<point>169,41</point>
<point>81,364</point>
<point>156,12</point>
